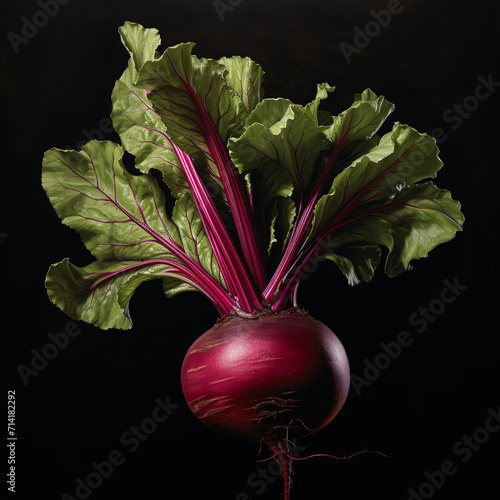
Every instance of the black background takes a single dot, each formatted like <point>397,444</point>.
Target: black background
<point>76,409</point>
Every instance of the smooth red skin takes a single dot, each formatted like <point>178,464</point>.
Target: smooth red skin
<point>253,379</point>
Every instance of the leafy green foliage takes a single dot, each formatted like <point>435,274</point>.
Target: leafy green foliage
<point>122,221</point>
<point>252,181</point>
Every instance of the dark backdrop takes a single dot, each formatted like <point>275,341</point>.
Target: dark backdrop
<point>419,410</point>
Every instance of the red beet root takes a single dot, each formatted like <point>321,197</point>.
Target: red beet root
<point>259,191</point>
<point>259,378</point>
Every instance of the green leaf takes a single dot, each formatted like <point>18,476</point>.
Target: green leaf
<point>283,142</point>
<point>170,80</point>
<point>378,201</point>
<point>362,120</point>
<point>141,43</point>
<point>122,221</point>
<point>409,225</point>
<point>229,88</point>
<point>143,134</point>
<point>357,262</point>
<point>320,117</point>
<point>118,215</point>
<point>172,287</point>
<point>272,113</point>
<point>402,157</point>
<point>193,102</point>
<point>244,77</point>
<point>141,128</point>
<point>353,152</point>
<point>100,293</point>
<point>183,87</point>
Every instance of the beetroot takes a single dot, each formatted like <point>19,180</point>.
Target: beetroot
<point>258,378</point>
<point>259,190</point>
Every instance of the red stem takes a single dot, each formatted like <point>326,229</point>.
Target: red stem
<point>237,198</point>
<point>217,296</point>
<point>336,223</point>
<point>226,255</point>
<point>241,211</point>
<point>299,232</point>
<point>292,284</point>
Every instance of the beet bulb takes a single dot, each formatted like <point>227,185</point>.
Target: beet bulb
<point>267,377</point>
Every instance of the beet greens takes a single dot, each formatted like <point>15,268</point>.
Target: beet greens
<point>262,188</point>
